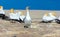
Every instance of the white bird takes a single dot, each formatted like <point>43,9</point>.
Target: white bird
<point>14,16</point>
<point>21,16</point>
<point>53,15</point>
<point>58,20</point>
<point>1,10</point>
<point>48,17</point>
<point>2,13</point>
<point>27,19</point>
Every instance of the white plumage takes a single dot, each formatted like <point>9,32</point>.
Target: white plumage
<point>27,18</point>
<point>13,15</point>
<point>1,10</point>
<point>21,16</point>
<point>53,16</point>
<point>58,20</point>
<point>2,13</point>
<point>48,17</point>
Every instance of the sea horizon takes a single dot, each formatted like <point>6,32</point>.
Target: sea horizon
<point>33,4</point>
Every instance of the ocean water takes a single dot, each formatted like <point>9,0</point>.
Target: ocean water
<point>33,4</point>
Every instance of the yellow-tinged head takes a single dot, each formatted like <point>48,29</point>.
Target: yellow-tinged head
<point>1,7</point>
<point>12,10</point>
<point>54,13</point>
<point>46,14</point>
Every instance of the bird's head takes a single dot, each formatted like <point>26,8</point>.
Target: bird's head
<point>27,8</point>
<point>1,7</point>
<point>46,14</point>
<point>54,13</point>
<point>12,10</point>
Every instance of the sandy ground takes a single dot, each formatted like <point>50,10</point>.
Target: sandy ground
<point>8,29</point>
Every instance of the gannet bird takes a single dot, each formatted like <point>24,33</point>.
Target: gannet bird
<point>27,19</point>
<point>58,20</point>
<point>2,13</point>
<point>47,19</point>
<point>14,16</point>
<point>53,15</point>
<point>21,17</point>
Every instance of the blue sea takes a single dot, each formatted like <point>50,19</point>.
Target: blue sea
<point>33,4</point>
